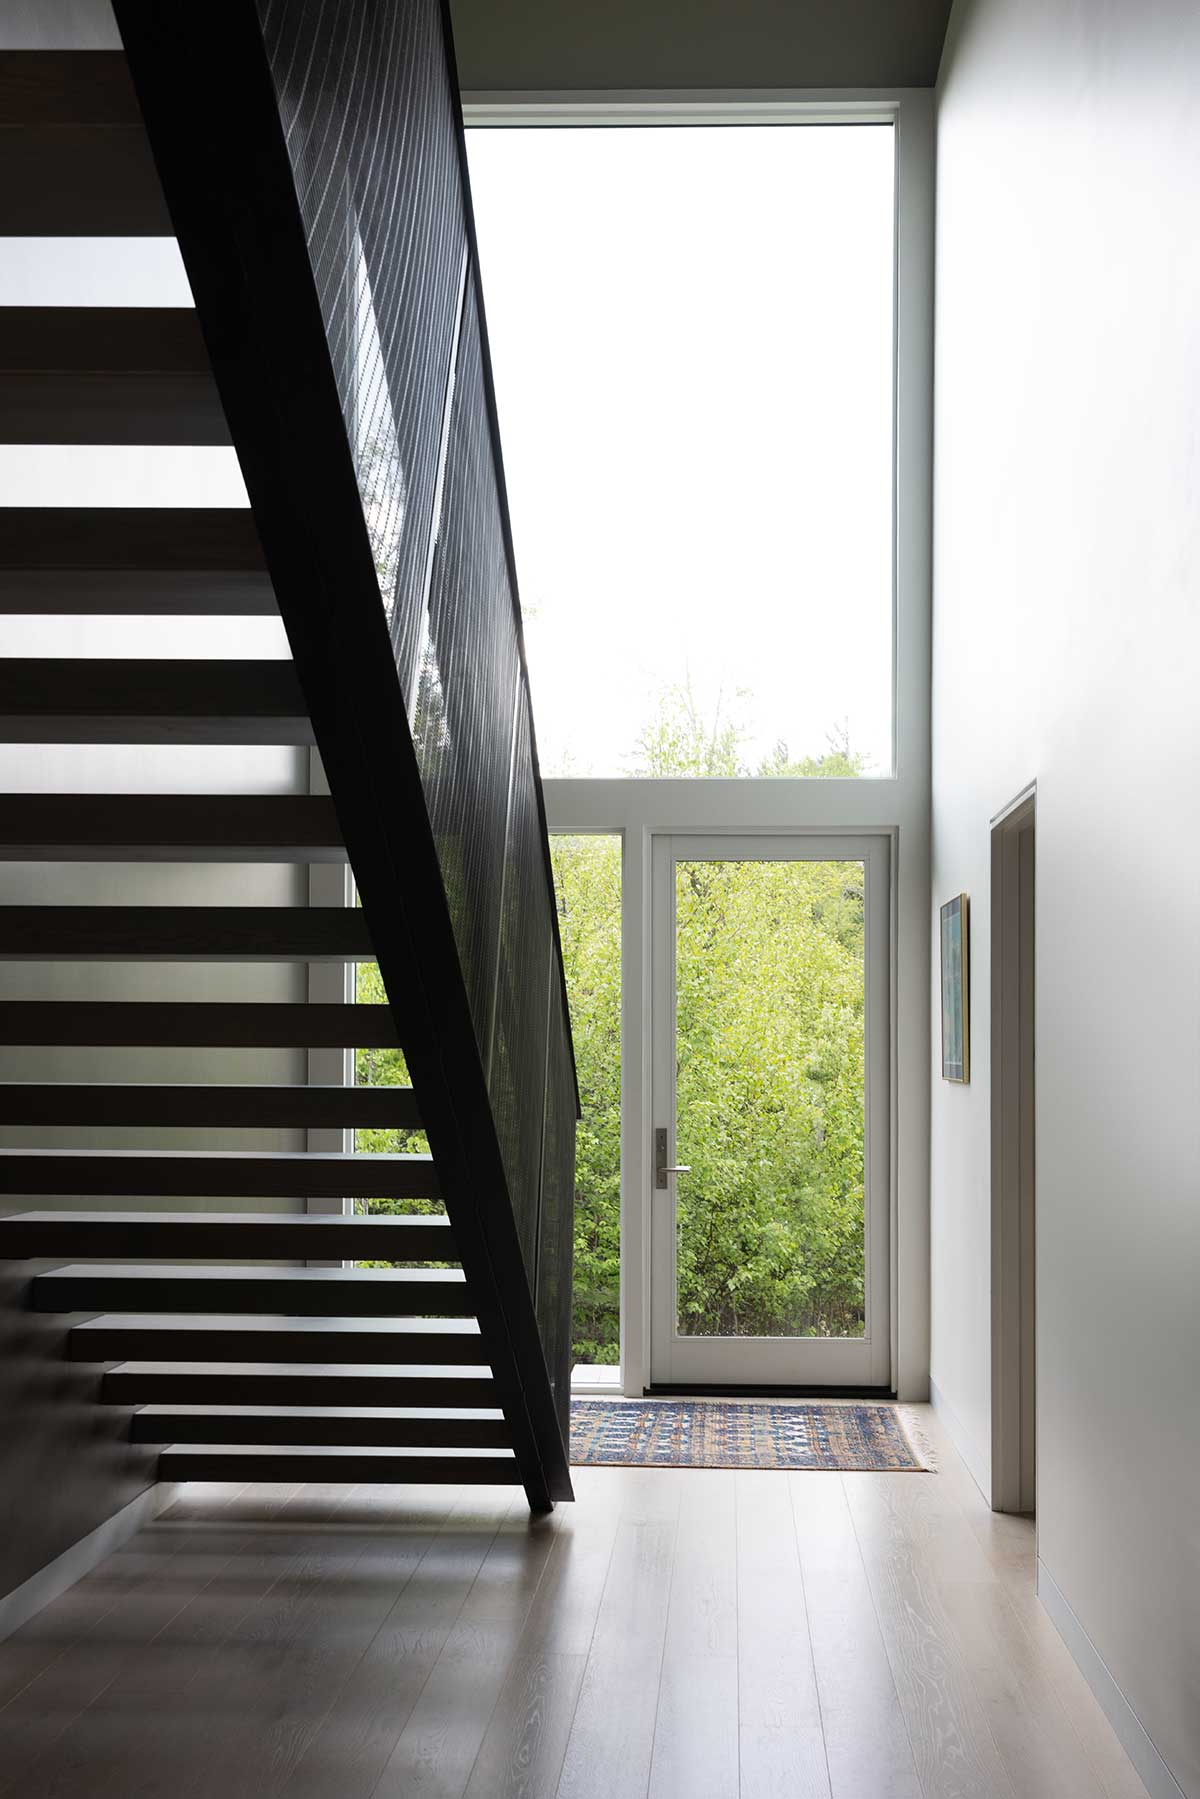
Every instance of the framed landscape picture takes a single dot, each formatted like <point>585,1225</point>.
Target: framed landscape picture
<point>956,990</point>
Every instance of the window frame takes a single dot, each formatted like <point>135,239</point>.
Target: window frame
<point>896,805</point>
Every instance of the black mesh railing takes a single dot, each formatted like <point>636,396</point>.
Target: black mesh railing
<point>368,104</point>
<point>312,158</point>
<point>371,124</point>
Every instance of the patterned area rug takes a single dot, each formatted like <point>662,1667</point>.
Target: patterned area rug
<point>700,1433</point>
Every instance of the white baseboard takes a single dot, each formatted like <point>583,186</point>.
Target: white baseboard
<point>978,1466</point>
<point>25,1601</point>
<point>1157,1778</point>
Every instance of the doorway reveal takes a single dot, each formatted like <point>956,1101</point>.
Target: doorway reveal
<point>1014,1351</point>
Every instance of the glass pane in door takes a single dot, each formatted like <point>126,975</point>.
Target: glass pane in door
<point>770,1098</point>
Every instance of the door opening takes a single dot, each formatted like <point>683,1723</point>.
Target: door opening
<point>770,1176</point>
<point>1014,1343</point>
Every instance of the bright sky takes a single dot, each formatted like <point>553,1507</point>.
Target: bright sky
<point>691,329</point>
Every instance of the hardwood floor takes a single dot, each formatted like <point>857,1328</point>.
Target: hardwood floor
<point>676,1634</point>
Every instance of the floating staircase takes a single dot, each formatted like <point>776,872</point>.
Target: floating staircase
<point>246,1343</point>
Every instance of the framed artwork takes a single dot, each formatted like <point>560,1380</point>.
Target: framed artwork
<point>956,990</point>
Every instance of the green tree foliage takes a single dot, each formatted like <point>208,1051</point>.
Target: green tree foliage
<point>769,1067</point>
<point>385,1068</point>
<point>681,741</point>
<point>769,1078</point>
<point>838,762</point>
<point>587,878</point>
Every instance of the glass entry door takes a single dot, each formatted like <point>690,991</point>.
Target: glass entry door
<point>770,1186</point>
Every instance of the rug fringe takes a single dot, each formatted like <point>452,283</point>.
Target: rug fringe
<point>918,1440</point>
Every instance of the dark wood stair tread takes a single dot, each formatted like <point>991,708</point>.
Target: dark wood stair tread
<point>136,593</point>
<point>184,933</point>
<point>107,375</point>
<point>202,1105</point>
<point>67,87</point>
<point>110,409</point>
<point>353,1426</point>
<point>218,1173</point>
<point>282,1338</point>
<point>297,1383</point>
<point>310,1462</point>
<point>361,1293</point>
<point>162,539</point>
<point>271,1024</point>
<point>151,700</point>
<point>147,340</point>
<point>323,1332</point>
<point>134,560</point>
<point>167,827</point>
<point>79,181</point>
<point>74,156</point>
<point>313,1236</point>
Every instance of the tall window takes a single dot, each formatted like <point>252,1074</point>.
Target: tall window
<point>692,332</point>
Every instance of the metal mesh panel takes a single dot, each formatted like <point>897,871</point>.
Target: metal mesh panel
<point>467,691</point>
<point>523,991</point>
<point>366,106</point>
<point>371,127</point>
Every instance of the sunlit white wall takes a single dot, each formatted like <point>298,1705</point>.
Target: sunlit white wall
<point>1066,648</point>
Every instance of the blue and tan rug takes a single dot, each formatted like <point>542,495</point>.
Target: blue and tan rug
<point>721,1433</point>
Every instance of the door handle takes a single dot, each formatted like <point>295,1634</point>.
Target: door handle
<point>661,1166</point>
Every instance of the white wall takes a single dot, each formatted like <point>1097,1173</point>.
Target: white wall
<point>1067,648</point>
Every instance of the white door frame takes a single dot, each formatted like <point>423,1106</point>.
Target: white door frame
<point>864,1362</point>
<point>638,811</point>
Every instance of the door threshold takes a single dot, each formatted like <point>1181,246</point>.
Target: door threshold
<point>698,1390</point>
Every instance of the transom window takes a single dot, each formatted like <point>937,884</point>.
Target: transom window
<point>692,333</point>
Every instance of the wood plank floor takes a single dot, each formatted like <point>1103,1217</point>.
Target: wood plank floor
<point>676,1634</point>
